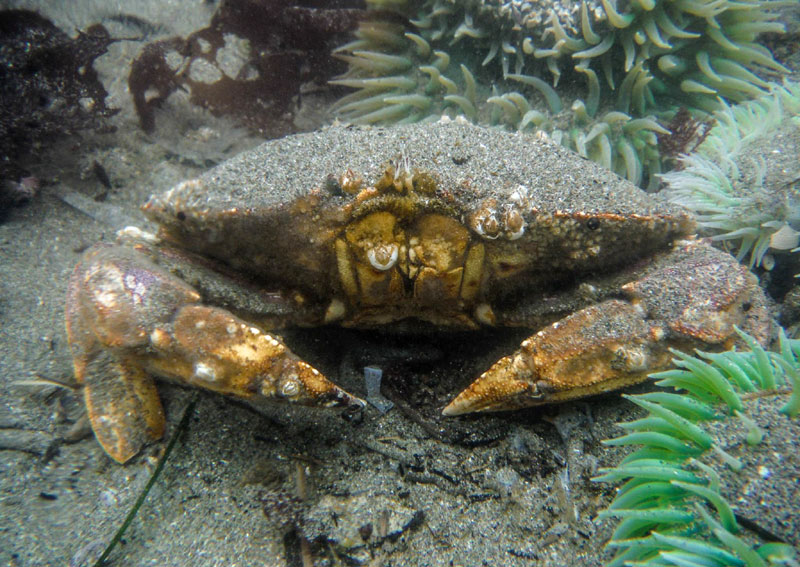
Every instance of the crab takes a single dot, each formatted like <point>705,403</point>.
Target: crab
<point>440,227</point>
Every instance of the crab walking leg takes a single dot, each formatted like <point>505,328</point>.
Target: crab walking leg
<point>695,300</point>
<point>128,319</point>
<point>123,405</point>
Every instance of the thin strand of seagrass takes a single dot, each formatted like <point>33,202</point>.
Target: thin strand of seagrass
<point>187,413</point>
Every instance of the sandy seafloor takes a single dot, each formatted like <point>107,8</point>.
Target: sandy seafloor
<point>509,489</point>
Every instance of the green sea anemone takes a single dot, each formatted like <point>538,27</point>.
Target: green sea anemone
<point>596,77</point>
<point>671,509</point>
<point>743,181</point>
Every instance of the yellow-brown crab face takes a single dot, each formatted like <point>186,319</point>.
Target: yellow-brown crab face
<point>401,264</point>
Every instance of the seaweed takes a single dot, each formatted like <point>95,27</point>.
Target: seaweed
<point>182,425</point>
<point>47,84</point>
<point>255,62</point>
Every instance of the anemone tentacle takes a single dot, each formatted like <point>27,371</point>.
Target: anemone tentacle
<point>468,57</point>
<point>736,201</point>
<point>670,509</point>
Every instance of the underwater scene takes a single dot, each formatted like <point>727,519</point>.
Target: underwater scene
<point>395,283</point>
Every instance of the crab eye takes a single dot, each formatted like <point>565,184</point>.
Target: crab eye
<point>593,224</point>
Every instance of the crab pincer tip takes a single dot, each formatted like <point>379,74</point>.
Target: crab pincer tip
<point>500,388</point>
<point>343,399</point>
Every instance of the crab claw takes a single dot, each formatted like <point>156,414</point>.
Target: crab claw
<point>211,348</point>
<point>129,320</point>
<point>696,297</point>
<point>601,348</point>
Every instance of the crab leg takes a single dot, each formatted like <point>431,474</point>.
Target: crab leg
<point>123,405</point>
<point>695,300</point>
<point>129,319</point>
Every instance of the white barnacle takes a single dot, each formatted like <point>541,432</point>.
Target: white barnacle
<point>290,388</point>
<point>204,372</point>
<point>106,292</point>
<point>519,365</point>
<point>514,224</point>
<point>136,288</point>
<point>383,257</point>
<point>657,333</point>
<point>487,225</point>
<point>635,358</point>
<point>133,234</point>
<point>588,291</point>
<point>350,182</point>
<point>519,195</point>
<point>517,234</point>
<point>160,338</point>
